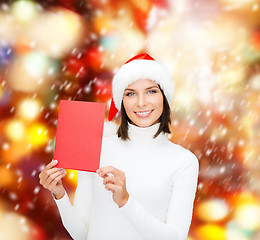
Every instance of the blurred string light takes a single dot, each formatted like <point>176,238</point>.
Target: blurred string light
<point>212,210</point>
<point>25,11</point>
<point>255,82</point>
<point>247,211</point>
<point>211,232</point>
<point>247,216</point>
<point>11,221</point>
<point>13,152</point>
<point>72,176</point>
<point>231,80</point>
<point>30,72</point>
<point>185,100</point>
<point>6,179</point>
<point>37,135</point>
<point>15,130</point>
<point>29,109</point>
<point>235,232</point>
<point>25,229</point>
<point>119,36</point>
<point>246,124</point>
<point>69,32</point>
<point>8,34</point>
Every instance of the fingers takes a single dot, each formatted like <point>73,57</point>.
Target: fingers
<point>56,180</point>
<point>51,175</point>
<point>54,175</point>
<point>51,164</point>
<point>113,187</point>
<point>46,173</point>
<point>112,179</point>
<point>110,170</point>
<point>52,180</point>
<point>51,171</point>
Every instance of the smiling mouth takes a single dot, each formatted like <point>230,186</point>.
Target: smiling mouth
<point>144,114</point>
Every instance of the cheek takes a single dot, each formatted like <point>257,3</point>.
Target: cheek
<point>158,103</point>
<point>128,105</point>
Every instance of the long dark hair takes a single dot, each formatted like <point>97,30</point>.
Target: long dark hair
<point>165,120</point>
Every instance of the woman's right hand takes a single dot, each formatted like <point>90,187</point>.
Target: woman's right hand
<point>50,178</point>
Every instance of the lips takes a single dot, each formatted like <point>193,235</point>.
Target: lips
<point>143,114</point>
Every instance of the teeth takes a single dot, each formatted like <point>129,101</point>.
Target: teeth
<point>143,113</point>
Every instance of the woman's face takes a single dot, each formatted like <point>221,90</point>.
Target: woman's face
<point>143,102</point>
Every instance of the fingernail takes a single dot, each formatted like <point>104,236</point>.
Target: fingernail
<point>98,171</point>
<point>55,161</point>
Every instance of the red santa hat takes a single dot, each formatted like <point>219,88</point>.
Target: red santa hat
<point>141,66</point>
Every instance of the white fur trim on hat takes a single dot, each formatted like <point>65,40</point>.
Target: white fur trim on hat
<point>141,69</point>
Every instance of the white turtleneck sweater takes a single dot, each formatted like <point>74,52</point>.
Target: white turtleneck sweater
<point>161,179</point>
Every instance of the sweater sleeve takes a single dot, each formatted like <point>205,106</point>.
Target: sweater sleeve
<point>179,214</point>
<point>75,217</point>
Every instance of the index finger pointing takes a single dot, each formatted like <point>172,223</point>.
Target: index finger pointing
<point>51,164</point>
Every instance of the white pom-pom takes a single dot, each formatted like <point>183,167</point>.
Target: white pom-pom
<point>109,129</point>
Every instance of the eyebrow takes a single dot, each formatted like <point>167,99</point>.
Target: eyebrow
<point>129,89</point>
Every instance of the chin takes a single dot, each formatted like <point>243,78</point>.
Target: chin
<point>144,124</point>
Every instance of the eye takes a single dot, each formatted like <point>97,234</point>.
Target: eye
<point>130,94</point>
<point>152,91</point>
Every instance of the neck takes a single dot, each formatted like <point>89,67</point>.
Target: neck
<point>136,133</point>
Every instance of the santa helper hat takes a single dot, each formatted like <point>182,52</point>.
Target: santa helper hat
<point>141,66</point>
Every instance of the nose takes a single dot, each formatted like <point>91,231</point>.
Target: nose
<point>142,101</point>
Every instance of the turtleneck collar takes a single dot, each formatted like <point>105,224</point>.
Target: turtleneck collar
<point>136,133</point>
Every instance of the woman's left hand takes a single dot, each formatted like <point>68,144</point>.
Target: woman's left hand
<point>116,183</point>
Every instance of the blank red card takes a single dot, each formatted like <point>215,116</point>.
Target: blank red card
<point>79,135</point>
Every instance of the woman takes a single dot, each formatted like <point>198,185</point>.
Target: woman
<point>145,187</point>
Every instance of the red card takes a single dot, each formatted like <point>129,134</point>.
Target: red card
<point>79,135</point>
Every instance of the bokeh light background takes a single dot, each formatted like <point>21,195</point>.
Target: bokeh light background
<point>70,49</point>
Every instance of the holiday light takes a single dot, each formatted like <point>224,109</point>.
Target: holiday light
<point>10,221</point>
<point>247,216</point>
<point>211,232</point>
<point>255,82</point>
<point>15,130</point>
<point>72,175</point>
<point>15,151</point>
<point>29,109</point>
<point>235,232</point>
<point>68,34</point>
<point>120,38</point>
<point>24,11</point>
<point>37,135</point>
<point>30,72</point>
<point>213,210</point>
<point>185,100</point>
<point>7,28</point>
<point>6,178</point>
<point>231,80</point>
